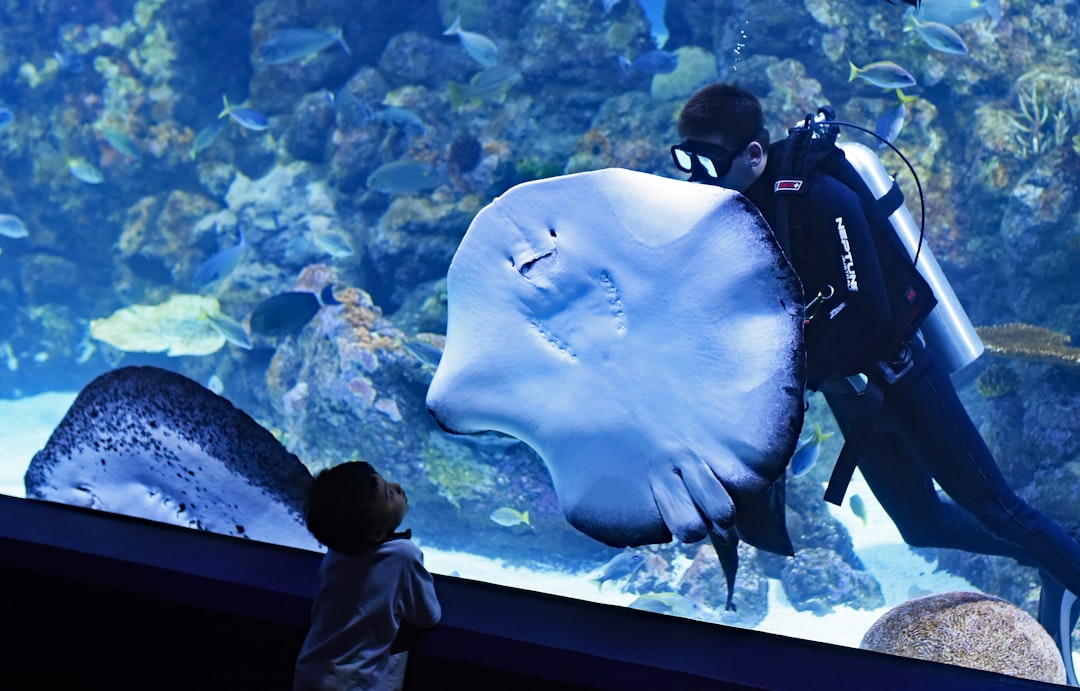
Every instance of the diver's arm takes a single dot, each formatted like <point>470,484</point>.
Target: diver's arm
<point>853,320</point>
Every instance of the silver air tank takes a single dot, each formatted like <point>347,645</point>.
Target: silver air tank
<point>948,329</point>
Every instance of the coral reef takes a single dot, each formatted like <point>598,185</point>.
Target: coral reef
<point>178,326</point>
<point>970,630</point>
<point>1029,342</point>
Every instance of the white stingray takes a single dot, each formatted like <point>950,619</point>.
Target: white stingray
<point>644,336</point>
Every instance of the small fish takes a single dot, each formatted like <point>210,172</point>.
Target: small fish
<point>403,177</point>
<point>401,117</point>
<point>808,452</point>
<point>352,112</point>
<point>248,118</point>
<point>428,354</point>
<point>205,138</point>
<point>608,4</point>
<point>69,61</point>
<point>10,358</point>
<point>508,517</point>
<point>938,36</point>
<point>288,313</point>
<point>858,507</point>
<point>953,12</point>
<point>85,171</point>
<point>650,62</point>
<point>913,3</point>
<point>233,331</point>
<point>119,140</point>
<point>479,47</point>
<point>290,45</point>
<point>622,566</point>
<point>665,603</point>
<point>886,74</point>
<point>215,384</point>
<point>220,264</point>
<point>333,243</point>
<point>891,122</point>
<point>488,85</point>
<point>6,118</point>
<point>12,227</point>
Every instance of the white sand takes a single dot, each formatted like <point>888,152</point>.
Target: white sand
<point>25,426</point>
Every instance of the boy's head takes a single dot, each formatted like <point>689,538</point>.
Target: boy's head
<point>350,507</point>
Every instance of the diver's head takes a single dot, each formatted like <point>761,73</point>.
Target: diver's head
<point>724,137</point>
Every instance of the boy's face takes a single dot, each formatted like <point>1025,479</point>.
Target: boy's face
<point>388,508</point>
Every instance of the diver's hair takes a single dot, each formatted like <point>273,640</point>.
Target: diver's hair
<point>725,109</point>
<point>339,506</point>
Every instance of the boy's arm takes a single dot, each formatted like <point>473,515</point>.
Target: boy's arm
<point>421,606</point>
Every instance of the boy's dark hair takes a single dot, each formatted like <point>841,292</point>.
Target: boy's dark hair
<point>339,506</point>
<point>726,109</point>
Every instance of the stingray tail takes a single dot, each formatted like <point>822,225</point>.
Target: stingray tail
<point>727,549</point>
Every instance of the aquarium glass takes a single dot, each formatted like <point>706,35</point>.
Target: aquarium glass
<point>265,197</point>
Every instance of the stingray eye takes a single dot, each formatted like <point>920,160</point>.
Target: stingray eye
<point>551,232</point>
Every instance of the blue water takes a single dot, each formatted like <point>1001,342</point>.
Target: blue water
<point>992,133</point>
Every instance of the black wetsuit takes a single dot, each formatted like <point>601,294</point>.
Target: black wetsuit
<point>923,432</point>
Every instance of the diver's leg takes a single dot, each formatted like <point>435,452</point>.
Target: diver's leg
<point>1058,612</point>
<point>905,489</point>
<point>948,444</point>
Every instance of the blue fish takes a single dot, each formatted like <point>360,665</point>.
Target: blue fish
<point>401,117</point>
<point>858,507</point>
<point>886,74</point>
<point>403,177</point>
<point>808,452</point>
<point>232,330</point>
<point>428,354</point>
<point>6,118</point>
<point>289,45</point>
<point>206,136</point>
<point>953,12</point>
<point>938,36</point>
<point>651,62</point>
<point>891,122</point>
<point>220,264</point>
<point>68,61</point>
<point>248,118</point>
<point>289,312</point>
<point>665,603</point>
<point>509,517</point>
<point>622,566</point>
<point>479,47</point>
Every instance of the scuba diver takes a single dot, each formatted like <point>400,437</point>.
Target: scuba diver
<point>903,424</point>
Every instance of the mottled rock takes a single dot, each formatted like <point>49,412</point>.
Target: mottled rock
<point>310,127</point>
<point>971,630</point>
<point>704,583</point>
<point>818,579</point>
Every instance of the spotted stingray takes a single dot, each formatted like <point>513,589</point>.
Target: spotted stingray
<point>644,336</point>
<point>147,442</point>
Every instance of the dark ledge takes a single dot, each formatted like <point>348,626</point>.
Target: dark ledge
<point>97,596</point>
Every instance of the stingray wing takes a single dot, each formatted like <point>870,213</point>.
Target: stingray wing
<point>642,334</point>
<point>147,442</point>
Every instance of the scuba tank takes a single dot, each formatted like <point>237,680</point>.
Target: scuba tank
<point>947,328</point>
